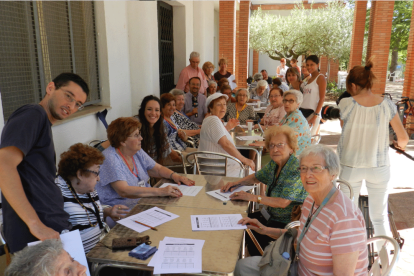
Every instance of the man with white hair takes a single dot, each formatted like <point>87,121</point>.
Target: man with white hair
<point>191,71</point>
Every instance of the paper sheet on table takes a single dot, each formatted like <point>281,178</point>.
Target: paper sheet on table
<point>246,138</point>
<point>253,104</point>
<point>259,109</point>
<point>226,196</point>
<point>231,83</point>
<point>216,222</point>
<point>185,190</point>
<point>72,243</point>
<point>152,217</point>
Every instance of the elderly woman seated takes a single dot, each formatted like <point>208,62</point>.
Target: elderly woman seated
<point>336,245</point>
<point>78,173</point>
<point>127,168</point>
<point>260,93</point>
<point>275,111</point>
<point>256,78</point>
<point>212,88</point>
<point>176,136</point>
<point>284,189</point>
<point>216,138</point>
<point>181,120</point>
<point>44,259</point>
<point>240,110</point>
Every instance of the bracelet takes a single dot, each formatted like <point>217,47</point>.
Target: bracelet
<point>171,175</point>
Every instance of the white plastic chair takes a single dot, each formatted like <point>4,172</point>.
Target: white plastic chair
<point>382,265</point>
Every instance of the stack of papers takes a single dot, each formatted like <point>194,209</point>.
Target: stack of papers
<point>246,138</point>
<point>216,222</point>
<point>232,84</point>
<point>176,255</point>
<point>226,196</point>
<point>185,190</point>
<point>152,217</point>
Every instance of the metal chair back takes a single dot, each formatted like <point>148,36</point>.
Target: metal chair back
<point>381,265</point>
<point>213,163</point>
<point>340,182</point>
<point>183,165</point>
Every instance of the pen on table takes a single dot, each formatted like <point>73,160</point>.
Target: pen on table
<point>153,228</point>
<point>234,187</point>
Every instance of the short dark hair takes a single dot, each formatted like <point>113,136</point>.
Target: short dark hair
<point>166,98</point>
<point>277,81</point>
<point>64,78</point>
<point>264,70</point>
<point>194,78</point>
<point>313,58</point>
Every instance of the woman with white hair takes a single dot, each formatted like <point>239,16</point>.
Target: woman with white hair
<point>261,92</point>
<point>336,245</point>
<point>256,77</point>
<point>292,99</point>
<point>212,87</point>
<point>240,110</point>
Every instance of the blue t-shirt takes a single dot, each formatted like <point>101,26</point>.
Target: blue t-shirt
<point>114,169</point>
<point>29,129</point>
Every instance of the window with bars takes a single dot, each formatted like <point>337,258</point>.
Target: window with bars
<point>38,41</point>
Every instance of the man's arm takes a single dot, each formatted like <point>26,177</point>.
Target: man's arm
<point>12,189</point>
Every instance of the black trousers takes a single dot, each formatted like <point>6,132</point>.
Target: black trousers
<point>263,240</point>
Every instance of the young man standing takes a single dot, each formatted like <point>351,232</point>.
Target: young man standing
<point>32,203</point>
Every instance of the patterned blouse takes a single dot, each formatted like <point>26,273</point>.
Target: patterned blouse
<point>173,139</point>
<point>183,122</point>
<point>273,115</point>
<point>246,114</point>
<point>287,186</point>
<point>299,124</point>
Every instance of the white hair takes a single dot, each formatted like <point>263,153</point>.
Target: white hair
<point>177,92</point>
<point>210,82</point>
<point>330,157</point>
<point>194,54</point>
<point>258,76</point>
<point>247,92</point>
<point>262,83</point>
<point>296,93</point>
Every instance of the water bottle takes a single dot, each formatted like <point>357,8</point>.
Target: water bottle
<point>286,255</point>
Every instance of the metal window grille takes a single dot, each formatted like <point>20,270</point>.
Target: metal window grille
<point>40,40</point>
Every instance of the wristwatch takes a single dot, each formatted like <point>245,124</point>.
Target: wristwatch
<point>259,199</point>
<point>316,114</point>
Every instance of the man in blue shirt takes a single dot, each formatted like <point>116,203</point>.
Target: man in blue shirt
<point>195,103</point>
<point>32,203</point>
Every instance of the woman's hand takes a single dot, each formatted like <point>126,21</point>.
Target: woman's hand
<point>313,120</point>
<point>179,179</point>
<point>253,224</point>
<point>232,123</point>
<point>182,134</point>
<point>229,186</point>
<point>118,212</point>
<point>175,156</point>
<point>242,195</point>
<point>249,162</point>
<point>170,191</point>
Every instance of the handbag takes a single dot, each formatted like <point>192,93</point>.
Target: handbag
<point>278,255</point>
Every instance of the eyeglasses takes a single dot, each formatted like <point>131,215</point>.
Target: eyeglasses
<point>69,98</point>
<point>274,96</point>
<point>96,173</point>
<point>279,146</point>
<point>289,101</point>
<point>314,169</point>
<point>242,95</point>
<point>137,136</point>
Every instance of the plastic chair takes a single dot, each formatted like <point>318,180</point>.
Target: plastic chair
<point>381,265</point>
<point>204,164</point>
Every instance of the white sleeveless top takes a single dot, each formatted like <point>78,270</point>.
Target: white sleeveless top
<point>311,94</point>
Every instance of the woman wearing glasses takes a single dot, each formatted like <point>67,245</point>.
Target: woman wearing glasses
<point>240,110</point>
<point>275,111</point>
<point>334,234</point>
<point>127,168</point>
<point>78,172</point>
<point>284,188</point>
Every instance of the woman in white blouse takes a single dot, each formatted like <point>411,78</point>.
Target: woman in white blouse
<point>364,143</point>
<point>216,138</point>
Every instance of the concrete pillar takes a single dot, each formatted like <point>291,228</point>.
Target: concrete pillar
<point>203,30</point>
<point>243,44</point>
<point>227,33</point>
<point>358,29</point>
<point>255,62</point>
<point>379,37</point>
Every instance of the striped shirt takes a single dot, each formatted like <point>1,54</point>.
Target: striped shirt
<point>77,215</point>
<point>338,229</point>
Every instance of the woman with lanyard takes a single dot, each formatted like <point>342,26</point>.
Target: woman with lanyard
<point>314,91</point>
<point>240,110</point>
<point>127,168</point>
<point>78,172</point>
<point>332,234</point>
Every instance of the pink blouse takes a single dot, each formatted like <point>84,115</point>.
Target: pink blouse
<point>273,115</point>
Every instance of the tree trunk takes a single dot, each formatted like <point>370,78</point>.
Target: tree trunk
<point>394,61</point>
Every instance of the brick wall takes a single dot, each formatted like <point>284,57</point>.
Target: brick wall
<point>408,89</point>
<point>227,33</point>
<point>379,41</point>
<point>358,29</point>
<point>236,67</point>
<point>242,48</point>
<point>323,65</point>
<point>333,70</point>
<point>255,63</point>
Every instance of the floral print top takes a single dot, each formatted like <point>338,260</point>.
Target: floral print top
<point>287,185</point>
<point>299,124</point>
<point>273,115</point>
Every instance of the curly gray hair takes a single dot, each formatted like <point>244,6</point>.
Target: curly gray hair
<point>37,260</point>
<point>258,76</point>
<point>262,83</point>
<point>330,157</point>
<point>244,89</point>
<point>296,93</point>
<point>210,82</point>
<point>177,92</point>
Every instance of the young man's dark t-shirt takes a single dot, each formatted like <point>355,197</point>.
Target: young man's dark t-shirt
<point>29,129</point>
<point>218,76</point>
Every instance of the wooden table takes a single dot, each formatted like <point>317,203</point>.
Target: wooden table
<point>220,251</point>
<point>244,144</point>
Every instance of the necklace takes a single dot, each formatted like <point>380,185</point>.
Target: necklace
<point>171,124</point>
<point>95,206</point>
<point>133,162</point>
<point>311,215</point>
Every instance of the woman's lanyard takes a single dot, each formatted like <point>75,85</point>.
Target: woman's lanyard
<point>237,111</point>
<point>311,218</point>
<point>172,125</point>
<point>133,161</point>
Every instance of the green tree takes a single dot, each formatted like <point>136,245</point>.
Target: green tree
<point>324,31</point>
